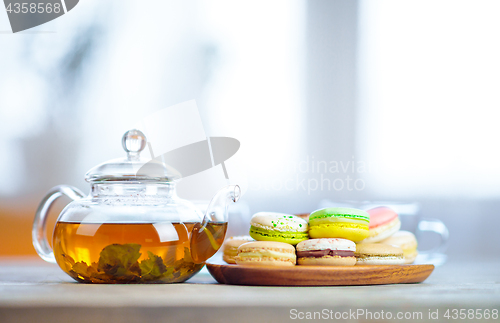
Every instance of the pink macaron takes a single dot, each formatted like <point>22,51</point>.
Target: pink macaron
<point>384,222</point>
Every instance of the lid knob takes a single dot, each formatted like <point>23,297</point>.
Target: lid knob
<point>133,142</point>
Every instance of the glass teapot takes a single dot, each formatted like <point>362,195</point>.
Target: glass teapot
<point>132,227</point>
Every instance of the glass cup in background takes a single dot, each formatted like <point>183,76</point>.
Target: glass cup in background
<point>432,234</point>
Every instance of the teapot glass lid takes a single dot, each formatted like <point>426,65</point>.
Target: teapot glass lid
<point>133,167</point>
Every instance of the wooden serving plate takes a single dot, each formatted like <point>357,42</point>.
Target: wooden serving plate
<point>319,275</point>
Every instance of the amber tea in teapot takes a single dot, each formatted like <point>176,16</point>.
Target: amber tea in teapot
<point>133,252</point>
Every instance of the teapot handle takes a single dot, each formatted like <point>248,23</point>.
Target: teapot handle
<point>38,233</point>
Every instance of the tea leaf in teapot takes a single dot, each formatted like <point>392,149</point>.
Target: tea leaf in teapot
<point>184,266</point>
<point>68,260</point>
<point>120,260</point>
<point>178,264</point>
<point>81,269</point>
<point>187,255</point>
<point>153,267</point>
<point>92,270</point>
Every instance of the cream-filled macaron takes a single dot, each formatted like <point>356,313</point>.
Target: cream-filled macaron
<point>266,253</point>
<point>406,241</point>
<point>384,222</point>
<point>326,252</point>
<point>230,247</point>
<point>378,254</point>
<point>281,227</point>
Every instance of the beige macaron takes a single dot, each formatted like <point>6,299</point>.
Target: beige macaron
<point>378,254</point>
<point>406,241</point>
<point>266,253</point>
<point>230,247</point>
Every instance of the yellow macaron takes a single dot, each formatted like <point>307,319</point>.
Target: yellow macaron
<point>339,222</point>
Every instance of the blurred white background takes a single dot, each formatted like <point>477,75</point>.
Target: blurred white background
<point>339,100</point>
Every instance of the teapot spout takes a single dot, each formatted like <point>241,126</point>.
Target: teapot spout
<point>207,236</point>
<point>217,209</point>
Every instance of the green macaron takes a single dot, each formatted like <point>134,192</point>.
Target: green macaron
<point>281,227</point>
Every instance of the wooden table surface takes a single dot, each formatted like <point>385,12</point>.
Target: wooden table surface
<point>34,291</point>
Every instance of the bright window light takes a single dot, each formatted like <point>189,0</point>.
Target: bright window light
<point>430,100</point>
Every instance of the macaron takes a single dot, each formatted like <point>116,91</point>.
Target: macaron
<point>304,216</point>
<point>378,254</point>
<point>281,227</point>
<point>384,222</point>
<point>406,241</point>
<point>230,247</point>
<point>339,222</point>
<point>326,252</point>
<point>266,253</point>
